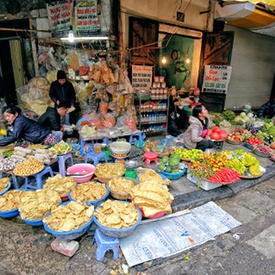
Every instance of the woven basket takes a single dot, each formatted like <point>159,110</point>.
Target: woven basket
<point>261,154</point>
<point>234,142</point>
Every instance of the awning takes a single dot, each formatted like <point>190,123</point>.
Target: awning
<point>258,18</point>
<point>269,2</point>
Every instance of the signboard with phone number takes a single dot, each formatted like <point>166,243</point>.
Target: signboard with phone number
<point>216,78</point>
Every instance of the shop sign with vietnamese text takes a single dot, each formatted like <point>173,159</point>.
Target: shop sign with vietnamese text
<point>59,17</point>
<point>216,78</point>
<point>142,77</point>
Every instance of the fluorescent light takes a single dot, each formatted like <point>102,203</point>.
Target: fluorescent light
<point>85,38</point>
<point>71,36</point>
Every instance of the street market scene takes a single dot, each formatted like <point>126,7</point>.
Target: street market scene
<point>135,140</point>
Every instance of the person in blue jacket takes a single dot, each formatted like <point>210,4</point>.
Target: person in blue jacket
<point>62,90</point>
<point>52,117</point>
<point>23,128</point>
<point>267,109</point>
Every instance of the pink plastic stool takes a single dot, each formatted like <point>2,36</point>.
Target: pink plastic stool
<point>150,156</point>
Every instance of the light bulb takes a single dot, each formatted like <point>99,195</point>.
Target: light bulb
<point>188,60</point>
<point>71,36</point>
<point>163,60</point>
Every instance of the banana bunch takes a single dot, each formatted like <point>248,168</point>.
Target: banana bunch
<point>235,164</point>
<point>248,160</point>
<point>255,170</point>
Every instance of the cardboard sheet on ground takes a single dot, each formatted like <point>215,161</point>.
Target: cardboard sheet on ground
<point>176,234</point>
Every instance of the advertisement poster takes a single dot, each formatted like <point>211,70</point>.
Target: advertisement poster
<point>59,17</point>
<point>216,78</point>
<point>86,18</point>
<point>142,77</point>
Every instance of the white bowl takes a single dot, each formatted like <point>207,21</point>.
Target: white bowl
<point>120,147</point>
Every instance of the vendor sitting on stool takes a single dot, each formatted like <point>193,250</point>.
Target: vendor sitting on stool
<point>52,117</point>
<point>23,128</point>
<point>196,135</point>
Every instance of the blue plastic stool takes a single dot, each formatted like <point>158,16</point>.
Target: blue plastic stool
<point>96,157</point>
<point>38,178</point>
<point>62,161</point>
<point>139,135</point>
<point>105,243</point>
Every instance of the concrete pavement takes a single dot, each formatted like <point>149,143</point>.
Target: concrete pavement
<point>26,250</point>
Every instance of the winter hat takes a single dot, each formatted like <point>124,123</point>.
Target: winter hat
<point>61,75</point>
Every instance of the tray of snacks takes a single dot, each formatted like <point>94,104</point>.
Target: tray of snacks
<point>117,219</point>
<point>120,187</point>
<point>69,221</point>
<point>5,185</point>
<point>89,192</point>
<point>9,203</point>
<point>28,167</point>
<point>106,171</point>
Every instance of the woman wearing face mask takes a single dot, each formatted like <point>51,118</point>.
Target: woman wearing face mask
<point>22,127</point>
<point>196,135</point>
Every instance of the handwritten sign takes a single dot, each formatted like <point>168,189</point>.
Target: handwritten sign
<point>86,17</point>
<point>216,78</point>
<point>59,17</point>
<point>142,77</point>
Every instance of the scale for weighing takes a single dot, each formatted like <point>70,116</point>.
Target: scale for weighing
<point>131,166</point>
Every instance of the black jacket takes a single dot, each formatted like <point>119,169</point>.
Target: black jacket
<point>25,128</point>
<point>63,92</point>
<point>50,119</point>
<point>266,110</point>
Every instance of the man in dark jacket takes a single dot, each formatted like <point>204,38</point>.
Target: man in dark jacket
<point>62,90</point>
<point>22,127</point>
<point>267,109</point>
<point>51,118</point>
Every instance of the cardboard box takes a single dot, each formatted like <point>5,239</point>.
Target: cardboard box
<point>203,184</point>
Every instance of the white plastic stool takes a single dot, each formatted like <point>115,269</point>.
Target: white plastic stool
<point>62,163</point>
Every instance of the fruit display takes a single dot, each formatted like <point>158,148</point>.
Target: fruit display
<point>208,164</point>
<point>239,135</point>
<point>255,170</point>
<point>226,166</point>
<point>254,141</point>
<point>216,133</point>
<point>248,159</point>
<point>187,153</point>
<point>235,164</point>
<point>171,164</point>
<point>263,148</point>
<point>225,175</point>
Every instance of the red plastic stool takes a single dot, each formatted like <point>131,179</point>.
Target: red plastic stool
<point>150,156</point>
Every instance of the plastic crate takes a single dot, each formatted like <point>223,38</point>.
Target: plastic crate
<point>205,185</point>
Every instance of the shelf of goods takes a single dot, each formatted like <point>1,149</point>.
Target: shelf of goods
<point>152,113</point>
